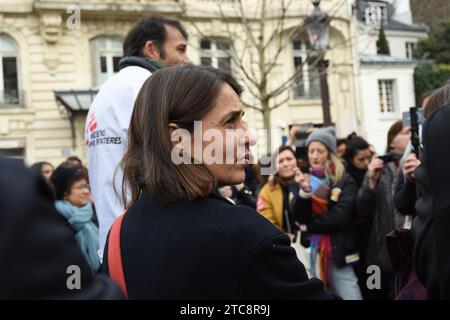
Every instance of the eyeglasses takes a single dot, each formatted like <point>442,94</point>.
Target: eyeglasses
<point>84,186</point>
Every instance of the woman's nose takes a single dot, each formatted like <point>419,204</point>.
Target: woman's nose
<point>252,138</point>
<point>248,137</point>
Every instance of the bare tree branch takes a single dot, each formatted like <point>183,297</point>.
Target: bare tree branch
<point>280,103</point>
<point>247,105</point>
<point>246,24</point>
<point>239,62</point>
<point>253,62</point>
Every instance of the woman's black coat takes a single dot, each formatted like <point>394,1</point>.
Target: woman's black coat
<point>405,196</point>
<point>208,249</point>
<point>37,245</point>
<point>431,227</point>
<point>337,222</point>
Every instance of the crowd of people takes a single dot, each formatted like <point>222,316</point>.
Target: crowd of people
<point>355,208</point>
<point>145,227</point>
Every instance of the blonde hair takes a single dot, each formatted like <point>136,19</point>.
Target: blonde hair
<point>339,169</point>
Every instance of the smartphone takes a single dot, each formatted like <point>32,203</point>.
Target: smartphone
<point>417,121</point>
<point>406,118</point>
<point>301,153</point>
<point>389,157</point>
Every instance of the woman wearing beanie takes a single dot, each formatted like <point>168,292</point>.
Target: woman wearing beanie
<point>375,203</point>
<point>323,206</point>
<point>73,202</point>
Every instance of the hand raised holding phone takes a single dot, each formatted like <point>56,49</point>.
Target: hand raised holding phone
<point>409,167</point>
<point>374,171</point>
<point>303,180</point>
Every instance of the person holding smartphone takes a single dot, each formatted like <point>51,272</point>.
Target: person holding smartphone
<point>323,206</point>
<point>374,203</point>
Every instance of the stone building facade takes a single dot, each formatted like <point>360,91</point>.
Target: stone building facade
<point>52,63</point>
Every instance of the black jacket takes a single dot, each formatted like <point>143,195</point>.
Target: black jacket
<point>245,197</point>
<point>37,245</point>
<point>377,205</point>
<point>208,249</point>
<point>432,225</point>
<point>405,195</point>
<point>337,222</point>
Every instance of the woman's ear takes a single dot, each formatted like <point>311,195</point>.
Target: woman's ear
<point>173,127</point>
<point>177,135</point>
<point>173,136</point>
<point>181,142</point>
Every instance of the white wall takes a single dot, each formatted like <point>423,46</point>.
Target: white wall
<point>375,123</point>
<point>402,11</point>
<point>397,41</point>
<point>367,41</point>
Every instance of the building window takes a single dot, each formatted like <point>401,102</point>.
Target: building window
<point>216,53</point>
<point>13,153</point>
<point>308,85</point>
<point>410,47</point>
<point>375,14</point>
<point>107,52</point>
<point>9,83</point>
<point>386,94</point>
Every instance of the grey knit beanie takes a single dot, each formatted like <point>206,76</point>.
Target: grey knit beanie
<point>325,135</point>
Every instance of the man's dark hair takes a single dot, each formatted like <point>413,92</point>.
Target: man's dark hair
<point>74,160</point>
<point>149,28</point>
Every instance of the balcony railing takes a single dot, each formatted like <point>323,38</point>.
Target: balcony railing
<point>11,99</point>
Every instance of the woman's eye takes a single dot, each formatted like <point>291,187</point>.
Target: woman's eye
<point>231,122</point>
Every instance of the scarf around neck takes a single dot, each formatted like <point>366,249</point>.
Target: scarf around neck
<point>357,174</point>
<point>86,231</point>
<point>321,247</point>
<point>143,62</point>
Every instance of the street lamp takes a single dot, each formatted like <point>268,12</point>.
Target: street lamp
<point>318,27</point>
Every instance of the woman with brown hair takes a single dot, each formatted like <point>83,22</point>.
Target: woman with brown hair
<point>375,206</point>
<point>273,199</point>
<point>178,238</point>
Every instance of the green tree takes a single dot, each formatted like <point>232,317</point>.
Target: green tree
<point>437,46</point>
<point>382,43</point>
<point>428,77</point>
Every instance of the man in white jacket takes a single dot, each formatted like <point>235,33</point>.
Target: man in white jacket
<point>152,43</point>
